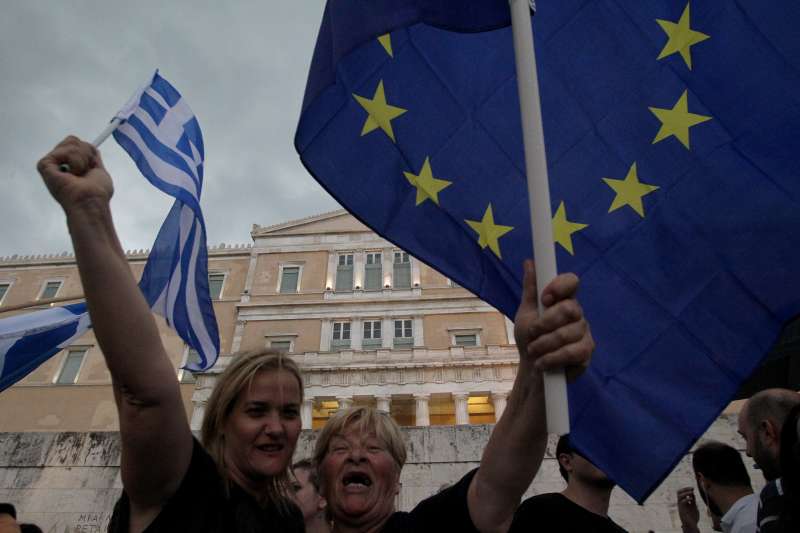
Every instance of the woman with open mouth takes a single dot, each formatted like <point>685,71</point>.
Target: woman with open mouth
<point>237,480</point>
<point>360,452</point>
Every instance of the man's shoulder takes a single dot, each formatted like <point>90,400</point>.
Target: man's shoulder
<point>548,502</point>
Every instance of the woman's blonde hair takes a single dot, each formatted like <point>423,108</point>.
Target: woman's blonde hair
<point>236,378</point>
<point>367,420</point>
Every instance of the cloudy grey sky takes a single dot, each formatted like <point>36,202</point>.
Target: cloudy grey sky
<point>66,66</point>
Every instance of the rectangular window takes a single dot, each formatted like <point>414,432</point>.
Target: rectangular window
<point>3,290</point>
<point>281,346</point>
<point>341,335</point>
<point>192,356</point>
<point>466,340</point>
<point>289,278</point>
<point>71,367</point>
<point>403,333</point>
<point>344,273</point>
<point>372,333</point>
<point>402,271</point>
<point>373,272</point>
<point>50,290</point>
<point>215,281</point>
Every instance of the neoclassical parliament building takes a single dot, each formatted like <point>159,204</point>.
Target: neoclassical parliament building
<point>368,323</point>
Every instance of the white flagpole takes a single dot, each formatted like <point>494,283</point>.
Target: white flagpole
<point>555,383</point>
<point>106,132</point>
<point>63,167</point>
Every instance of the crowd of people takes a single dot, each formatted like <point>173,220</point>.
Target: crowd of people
<point>239,477</point>
<point>768,423</point>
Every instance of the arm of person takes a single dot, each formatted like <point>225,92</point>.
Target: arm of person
<point>558,339</point>
<point>156,440</point>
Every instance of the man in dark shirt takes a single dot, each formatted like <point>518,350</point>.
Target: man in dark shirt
<point>582,506</point>
<point>760,423</point>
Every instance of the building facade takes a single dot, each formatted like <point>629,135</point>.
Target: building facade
<point>368,324</point>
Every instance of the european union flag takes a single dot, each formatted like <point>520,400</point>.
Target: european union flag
<point>672,131</point>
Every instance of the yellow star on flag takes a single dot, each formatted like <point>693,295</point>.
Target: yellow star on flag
<point>427,186</point>
<point>380,113</point>
<point>386,42</point>
<point>677,121</point>
<point>681,37</point>
<point>563,228</point>
<point>489,232</point>
<point>629,191</point>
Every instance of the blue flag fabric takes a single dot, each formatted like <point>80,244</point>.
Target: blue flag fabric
<point>671,131</point>
<point>162,135</point>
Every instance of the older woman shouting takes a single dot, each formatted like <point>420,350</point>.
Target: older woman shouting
<point>360,451</point>
<point>237,480</point>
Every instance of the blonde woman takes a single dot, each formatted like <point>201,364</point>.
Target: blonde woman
<point>237,480</point>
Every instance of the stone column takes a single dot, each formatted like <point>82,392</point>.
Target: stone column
<point>387,332</point>
<point>423,417</point>
<point>356,334</point>
<point>325,335</point>
<point>462,412</point>
<point>307,413</point>
<point>384,403</point>
<point>202,392</point>
<point>345,402</point>
<point>419,338</point>
<point>510,331</point>
<point>499,400</point>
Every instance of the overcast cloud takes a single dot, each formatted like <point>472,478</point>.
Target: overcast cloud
<point>67,66</point>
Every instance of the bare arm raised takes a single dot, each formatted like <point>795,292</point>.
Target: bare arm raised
<point>559,338</point>
<point>156,440</point>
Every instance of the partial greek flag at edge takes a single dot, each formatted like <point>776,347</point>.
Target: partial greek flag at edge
<point>163,137</point>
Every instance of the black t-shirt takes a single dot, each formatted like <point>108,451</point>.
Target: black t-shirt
<point>554,513</point>
<point>443,512</point>
<point>201,504</point>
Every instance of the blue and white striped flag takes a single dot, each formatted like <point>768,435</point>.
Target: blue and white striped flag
<point>162,135</point>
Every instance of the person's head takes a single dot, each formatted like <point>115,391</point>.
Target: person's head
<point>252,422</point>
<point>306,490</point>
<point>29,528</point>
<point>718,465</point>
<point>575,468</point>
<point>760,423</point>
<point>8,518</point>
<point>360,453</point>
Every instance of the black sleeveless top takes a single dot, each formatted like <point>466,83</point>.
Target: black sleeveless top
<point>201,504</point>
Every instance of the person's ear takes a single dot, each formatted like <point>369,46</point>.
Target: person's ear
<point>772,431</point>
<point>565,460</point>
<point>322,504</point>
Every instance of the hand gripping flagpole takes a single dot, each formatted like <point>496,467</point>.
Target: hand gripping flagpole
<point>555,383</point>
<point>64,167</point>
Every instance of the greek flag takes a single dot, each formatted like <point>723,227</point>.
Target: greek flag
<point>162,135</point>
